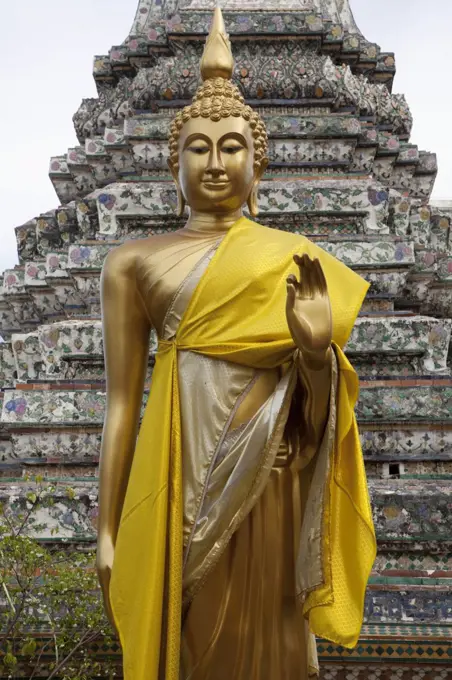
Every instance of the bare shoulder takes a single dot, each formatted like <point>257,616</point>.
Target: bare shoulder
<point>123,259</point>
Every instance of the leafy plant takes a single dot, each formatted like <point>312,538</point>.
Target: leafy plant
<point>51,614</point>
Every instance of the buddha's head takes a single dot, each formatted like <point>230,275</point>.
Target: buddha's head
<point>218,144</point>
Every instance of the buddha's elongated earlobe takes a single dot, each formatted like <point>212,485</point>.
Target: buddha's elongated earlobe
<point>252,201</point>
<point>252,198</point>
<point>180,196</point>
<point>180,201</point>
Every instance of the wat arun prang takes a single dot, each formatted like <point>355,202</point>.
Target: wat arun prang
<point>354,183</point>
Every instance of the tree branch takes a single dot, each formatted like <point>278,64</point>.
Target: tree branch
<point>38,660</point>
<point>86,638</point>
<point>15,618</point>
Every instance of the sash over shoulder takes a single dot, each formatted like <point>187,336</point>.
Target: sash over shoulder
<point>237,314</point>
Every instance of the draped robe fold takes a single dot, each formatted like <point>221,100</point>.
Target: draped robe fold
<point>237,314</point>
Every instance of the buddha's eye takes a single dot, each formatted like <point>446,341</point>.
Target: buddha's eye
<point>199,150</point>
<point>231,148</point>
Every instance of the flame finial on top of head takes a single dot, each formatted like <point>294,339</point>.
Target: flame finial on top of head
<point>217,60</point>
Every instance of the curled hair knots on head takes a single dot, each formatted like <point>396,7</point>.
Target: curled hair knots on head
<point>183,116</point>
<point>218,87</point>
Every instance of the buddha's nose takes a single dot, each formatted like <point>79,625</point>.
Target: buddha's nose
<point>215,167</point>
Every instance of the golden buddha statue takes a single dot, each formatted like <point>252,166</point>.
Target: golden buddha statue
<point>238,524</point>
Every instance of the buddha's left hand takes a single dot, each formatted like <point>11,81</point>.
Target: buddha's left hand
<point>308,311</point>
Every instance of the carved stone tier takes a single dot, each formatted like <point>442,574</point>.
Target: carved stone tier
<point>380,345</point>
<point>325,143</point>
<point>315,80</point>
<point>403,249</point>
<point>381,401</point>
<point>330,23</point>
<point>399,514</point>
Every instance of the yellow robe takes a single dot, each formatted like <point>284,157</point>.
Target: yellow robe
<point>237,313</point>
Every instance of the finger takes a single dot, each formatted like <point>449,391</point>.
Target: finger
<point>292,279</point>
<point>316,278</point>
<point>291,290</point>
<point>300,261</point>
<point>105,586</point>
<point>296,260</point>
<point>303,286</point>
<point>308,276</point>
<point>320,276</point>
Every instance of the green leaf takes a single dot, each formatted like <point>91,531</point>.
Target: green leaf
<point>28,648</point>
<point>9,660</point>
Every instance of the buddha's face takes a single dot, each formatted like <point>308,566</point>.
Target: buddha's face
<point>216,163</point>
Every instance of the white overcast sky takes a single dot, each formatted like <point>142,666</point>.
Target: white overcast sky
<point>46,52</point>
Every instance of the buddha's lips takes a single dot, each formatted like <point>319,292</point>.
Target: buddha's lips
<point>215,185</point>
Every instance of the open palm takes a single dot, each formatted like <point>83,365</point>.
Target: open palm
<point>308,308</point>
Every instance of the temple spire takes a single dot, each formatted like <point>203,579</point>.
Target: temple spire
<point>217,60</point>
